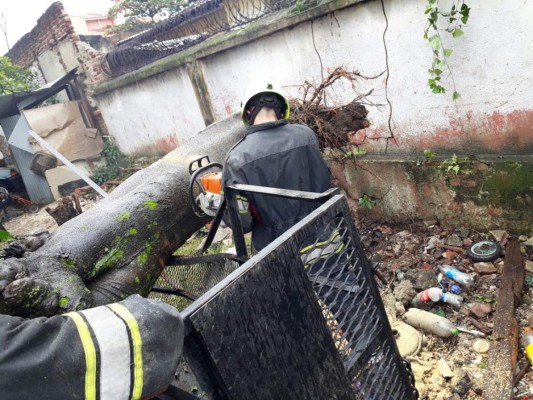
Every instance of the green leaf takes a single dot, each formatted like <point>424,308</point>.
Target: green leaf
<point>456,95</point>
<point>5,235</point>
<point>457,33</point>
<point>456,169</point>
<point>448,52</point>
<point>434,42</point>
<point>439,64</point>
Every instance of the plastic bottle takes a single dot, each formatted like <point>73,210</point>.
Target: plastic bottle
<point>430,322</point>
<point>427,296</point>
<point>447,285</point>
<point>452,299</point>
<point>527,341</point>
<point>456,275</point>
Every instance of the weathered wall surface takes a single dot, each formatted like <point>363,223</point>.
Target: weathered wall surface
<point>490,65</point>
<point>53,48</point>
<point>156,117</point>
<point>488,193</point>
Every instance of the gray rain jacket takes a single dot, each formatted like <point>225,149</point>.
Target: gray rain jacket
<point>279,155</point>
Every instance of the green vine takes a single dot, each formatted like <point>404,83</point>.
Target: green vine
<point>111,170</point>
<point>455,18</point>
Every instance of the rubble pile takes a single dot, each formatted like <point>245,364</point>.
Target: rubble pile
<point>443,326</point>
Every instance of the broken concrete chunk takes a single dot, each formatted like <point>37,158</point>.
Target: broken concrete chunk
<point>499,235</point>
<point>529,267</point>
<point>529,242</point>
<point>454,240</point>
<point>485,268</point>
<point>404,292</point>
<point>464,233</point>
<point>421,279</point>
<point>450,255</point>
<point>444,369</point>
<point>480,310</point>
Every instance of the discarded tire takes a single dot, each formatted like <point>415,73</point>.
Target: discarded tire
<point>485,250</point>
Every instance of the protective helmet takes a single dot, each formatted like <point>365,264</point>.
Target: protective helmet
<point>253,92</point>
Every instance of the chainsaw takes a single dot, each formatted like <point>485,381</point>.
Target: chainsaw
<point>205,186</point>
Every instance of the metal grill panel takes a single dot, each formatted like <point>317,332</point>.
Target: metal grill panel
<point>195,275</point>
<point>238,329</point>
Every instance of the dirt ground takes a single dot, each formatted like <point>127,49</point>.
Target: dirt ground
<point>25,224</point>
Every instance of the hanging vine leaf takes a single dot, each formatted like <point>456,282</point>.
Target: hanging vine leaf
<point>455,18</point>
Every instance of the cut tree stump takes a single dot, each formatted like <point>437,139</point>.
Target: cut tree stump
<point>499,377</point>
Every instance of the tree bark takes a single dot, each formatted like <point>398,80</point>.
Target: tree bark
<point>120,246</point>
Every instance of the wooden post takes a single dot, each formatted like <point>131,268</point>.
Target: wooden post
<point>503,353</point>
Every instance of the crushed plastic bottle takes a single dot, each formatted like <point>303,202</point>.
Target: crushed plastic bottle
<point>430,295</point>
<point>430,322</point>
<point>452,299</point>
<point>458,276</point>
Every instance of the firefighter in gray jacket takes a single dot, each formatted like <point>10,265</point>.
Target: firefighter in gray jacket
<point>125,350</point>
<point>275,154</point>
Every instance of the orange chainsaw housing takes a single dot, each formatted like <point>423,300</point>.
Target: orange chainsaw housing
<point>212,182</point>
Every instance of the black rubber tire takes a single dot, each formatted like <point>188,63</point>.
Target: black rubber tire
<point>484,250</point>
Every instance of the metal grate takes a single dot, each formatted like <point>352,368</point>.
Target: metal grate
<point>194,276</point>
<point>244,331</point>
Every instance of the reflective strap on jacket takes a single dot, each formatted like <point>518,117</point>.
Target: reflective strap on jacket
<point>112,345</point>
<point>323,249</point>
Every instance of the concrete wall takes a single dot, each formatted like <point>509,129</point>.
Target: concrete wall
<point>491,66</point>
<point>155,115</point>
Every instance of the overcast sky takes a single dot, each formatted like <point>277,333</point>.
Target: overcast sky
<point>21,15</point>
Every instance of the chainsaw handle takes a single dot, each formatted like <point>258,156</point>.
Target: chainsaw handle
<point>199,161</point>
<point>194,179</point>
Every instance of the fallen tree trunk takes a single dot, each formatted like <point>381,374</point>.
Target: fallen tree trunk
<point>119,246</point>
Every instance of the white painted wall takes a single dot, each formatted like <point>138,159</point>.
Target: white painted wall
<point>491,65</point>
<point>155,113</point>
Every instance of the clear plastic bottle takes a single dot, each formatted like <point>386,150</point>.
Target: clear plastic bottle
<point>452,299</point>
<point>527,341</point>
<point>430,322</point>
<point>458,276</point>
<point>427,296</point>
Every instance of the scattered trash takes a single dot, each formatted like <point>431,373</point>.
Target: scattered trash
<point>447,285</point>
<point>484,250</point>
<point>472,332</point>
<point>481,346</point>
<point>430,322</point>
<point>408,339</point>
<point>433,294</point>
<point>452,299</point>
<point>444,369</point>
<point>458,276</point>
<point>527,342</point>
<point>454,240</point>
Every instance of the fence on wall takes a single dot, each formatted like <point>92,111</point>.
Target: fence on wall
<point>193,25</point>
